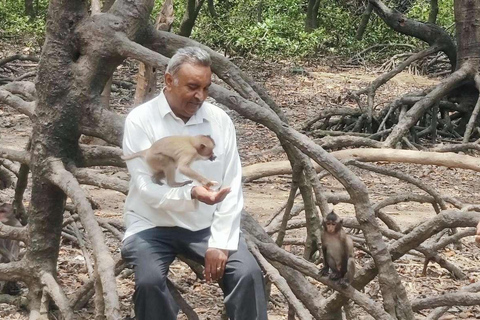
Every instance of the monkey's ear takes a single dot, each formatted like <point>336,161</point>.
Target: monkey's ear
<point>339,225</point>
<point>202,146</point>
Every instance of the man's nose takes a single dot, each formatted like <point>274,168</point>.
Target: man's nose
<point>201,95</point>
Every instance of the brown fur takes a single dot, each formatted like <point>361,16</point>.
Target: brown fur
<point>337,249</point>
<point>170,153</point>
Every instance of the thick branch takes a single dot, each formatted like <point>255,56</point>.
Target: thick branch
<point>105,264</point>
<point>101,156</point>
<point>451,160</point>
<point>15,155</point>
<point>430,33</point>
<point>94,178</point>
<point>57,295</point>
<point>22,88</point>
<point>13,233</point>
<point>447,299</point>
<point>25,107</point>
<point>18,57</point>
<point>279,282</point>
<point>15,271</point>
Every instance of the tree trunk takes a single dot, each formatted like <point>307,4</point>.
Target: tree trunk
<point>29,11</point>
<point>190,16</point>
<point>467,13</point>
<point>147,75</point>
<point>432,17</point>
<point>311,21</point>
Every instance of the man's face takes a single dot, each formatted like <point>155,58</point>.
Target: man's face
<point>186,91</point>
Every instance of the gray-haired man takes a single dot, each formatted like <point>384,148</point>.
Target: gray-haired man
<point>201,224</point>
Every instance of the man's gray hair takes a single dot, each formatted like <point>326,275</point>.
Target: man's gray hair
<point>193,55</point>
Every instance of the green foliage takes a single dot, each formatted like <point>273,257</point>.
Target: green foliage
<point>281,30</point>
<point>445,18</point>
<point>14,22</point>
<point>264,28</point>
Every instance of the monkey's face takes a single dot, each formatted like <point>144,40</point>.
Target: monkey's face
<point>6,210</point>
<point>331,226</point>
<point>206,148</point>
<point>187,89</point>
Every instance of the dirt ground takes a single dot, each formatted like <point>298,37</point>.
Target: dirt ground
<point>300,96</point>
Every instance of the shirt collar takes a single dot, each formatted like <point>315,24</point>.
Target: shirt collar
<point>165,109</point>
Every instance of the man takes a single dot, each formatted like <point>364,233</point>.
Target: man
<point>201,224</point>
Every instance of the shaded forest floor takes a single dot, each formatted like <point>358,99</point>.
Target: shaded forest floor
<point>301,95</point>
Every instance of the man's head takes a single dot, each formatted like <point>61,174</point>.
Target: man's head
<point>187,79</point>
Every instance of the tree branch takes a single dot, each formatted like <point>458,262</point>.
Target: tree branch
<point>18,103</point>
<point>57,294</point>
<point>279,282</point>
<point>105,264</point>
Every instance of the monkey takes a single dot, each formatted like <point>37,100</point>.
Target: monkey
<point>169,153</point>
<point>337,248</point>
<point>9,249</point>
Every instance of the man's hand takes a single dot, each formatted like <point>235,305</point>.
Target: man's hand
<point>215,261</point>
<point>208,196</point>
<point>477,238</point>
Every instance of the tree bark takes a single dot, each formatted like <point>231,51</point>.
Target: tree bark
<point>311,21</point>
<point>147,75</point>
<point>190,16</point>
<point>29,10</point>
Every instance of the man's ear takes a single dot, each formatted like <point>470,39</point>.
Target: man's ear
<point>168,80</point>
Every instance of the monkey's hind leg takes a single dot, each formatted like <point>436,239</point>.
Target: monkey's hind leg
<point>347,279</point>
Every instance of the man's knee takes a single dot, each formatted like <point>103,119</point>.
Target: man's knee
<point>152,281</point>
<point>247,273</point>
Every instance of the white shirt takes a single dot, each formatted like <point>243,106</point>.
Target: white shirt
<point>149,205</point>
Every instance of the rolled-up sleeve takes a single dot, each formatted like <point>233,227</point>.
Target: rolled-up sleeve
<point>225,227</point>
<point>157,196</point>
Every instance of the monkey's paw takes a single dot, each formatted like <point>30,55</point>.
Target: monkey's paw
<point>334,276</point>
<point>210,184</point>
<point>324,272</point>
<point>344,282</point>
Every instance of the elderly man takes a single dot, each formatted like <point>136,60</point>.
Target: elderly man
<point>196,222</point>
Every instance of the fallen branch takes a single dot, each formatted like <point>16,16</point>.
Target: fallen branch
<point>18,57</point>
<point>451,160</point>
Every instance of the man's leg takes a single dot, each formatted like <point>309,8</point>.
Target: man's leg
<point>242,283</point>
<point>244,286</point>
<point>151,252</point>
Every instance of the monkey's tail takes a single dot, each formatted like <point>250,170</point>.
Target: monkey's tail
<point>134,155</point>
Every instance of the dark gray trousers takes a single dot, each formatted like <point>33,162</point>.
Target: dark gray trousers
<point>152,251</point>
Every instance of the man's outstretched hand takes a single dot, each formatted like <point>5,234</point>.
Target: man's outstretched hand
<point>208,196</point>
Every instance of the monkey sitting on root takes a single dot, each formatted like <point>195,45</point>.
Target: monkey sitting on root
<point>337,248</point>
<point>169,153</point>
